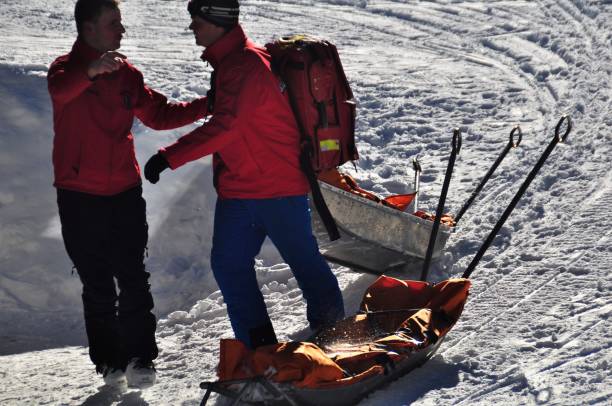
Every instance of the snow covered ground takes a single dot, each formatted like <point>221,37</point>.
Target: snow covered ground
<point>536,329</point>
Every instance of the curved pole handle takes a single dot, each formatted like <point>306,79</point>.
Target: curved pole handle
<point>515,143</point>
<point>562,138</point>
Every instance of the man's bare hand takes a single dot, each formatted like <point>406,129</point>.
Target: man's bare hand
<point>107,63</point>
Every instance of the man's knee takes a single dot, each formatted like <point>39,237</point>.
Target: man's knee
<point>99,303</point>
<point>135,300</point>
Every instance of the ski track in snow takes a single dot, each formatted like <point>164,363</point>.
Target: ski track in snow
<point>536,327</point>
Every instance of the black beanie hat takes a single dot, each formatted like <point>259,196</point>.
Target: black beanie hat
<point>223,13</point>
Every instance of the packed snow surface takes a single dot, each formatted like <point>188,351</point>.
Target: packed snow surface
<point>536,328</point>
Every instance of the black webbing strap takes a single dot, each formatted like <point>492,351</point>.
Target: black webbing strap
<point>317,196</point>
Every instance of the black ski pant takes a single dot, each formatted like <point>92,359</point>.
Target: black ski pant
<point>105,237</point>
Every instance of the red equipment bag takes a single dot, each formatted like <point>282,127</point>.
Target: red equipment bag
<point>321,98</point>
<point>323,105</point>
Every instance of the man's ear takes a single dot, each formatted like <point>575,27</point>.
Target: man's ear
<point>88,28</point>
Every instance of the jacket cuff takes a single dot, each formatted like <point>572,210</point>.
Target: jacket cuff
<point>166,154</point>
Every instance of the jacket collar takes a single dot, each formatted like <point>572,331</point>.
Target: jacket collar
<point>215,53</point>
<point>84,51</point>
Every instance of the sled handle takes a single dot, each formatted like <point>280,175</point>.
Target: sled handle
<point>516,143</point>
<point>556,139</point>
<point>561,138</point>
<point>512,143</point>
<point>456,147</point>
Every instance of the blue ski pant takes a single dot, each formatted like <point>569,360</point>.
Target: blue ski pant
<point>241,226</point>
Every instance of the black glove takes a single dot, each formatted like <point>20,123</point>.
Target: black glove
<point>154,166</point>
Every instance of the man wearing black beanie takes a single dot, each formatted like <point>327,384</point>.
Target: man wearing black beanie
<point>262,192</point>
<point>222,13</point>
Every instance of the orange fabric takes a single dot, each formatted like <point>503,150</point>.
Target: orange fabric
<point>231,356</point>
<point>303,363</point>
<point>400,202</point>
<point>347,183</point>
<point>390,293</point>
<point>448,297</point>
<point>412,333</point>
<point>356,362</point>
<point>400,317</point>
<point>445,219</point>
<point>351,380</point>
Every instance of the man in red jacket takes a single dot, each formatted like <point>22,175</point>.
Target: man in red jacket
<point>255,143</point>
<point>96,93</point>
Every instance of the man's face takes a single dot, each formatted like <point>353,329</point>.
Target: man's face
<point>205,33</point>
<point>105,33</point>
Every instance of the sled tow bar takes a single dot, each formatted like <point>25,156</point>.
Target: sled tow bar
<point>556,139</point>
<point>456,147</point>
<point>512,143</point>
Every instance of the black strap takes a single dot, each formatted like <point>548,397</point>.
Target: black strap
<point>210,95</point>
<point>317,196</point>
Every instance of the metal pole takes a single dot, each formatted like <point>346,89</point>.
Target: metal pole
<point>557,138</point>
<point>456,145</point>
<point>511,144</point>
<point>416,165</point>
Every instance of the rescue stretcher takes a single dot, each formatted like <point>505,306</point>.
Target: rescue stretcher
<point>374,237</point>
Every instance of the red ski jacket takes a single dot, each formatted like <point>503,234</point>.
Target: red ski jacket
<point>93,147</point>
<point>252,132</point>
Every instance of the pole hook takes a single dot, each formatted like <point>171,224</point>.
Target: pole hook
<point>561,138</point>
<point>515,143</point>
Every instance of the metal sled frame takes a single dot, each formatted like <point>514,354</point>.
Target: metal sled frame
<point>374,237</point>
<point>288,395</point>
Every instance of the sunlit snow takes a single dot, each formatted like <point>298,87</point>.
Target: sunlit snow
<point>536,327</point>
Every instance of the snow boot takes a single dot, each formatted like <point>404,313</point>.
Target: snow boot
<point>140,373</point>
<point>113,377</point>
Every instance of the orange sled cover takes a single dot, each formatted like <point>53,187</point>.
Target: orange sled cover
<point>347,183</point>
<point>397,318</point>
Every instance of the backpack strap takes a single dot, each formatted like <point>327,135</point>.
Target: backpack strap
<point>317,196</point>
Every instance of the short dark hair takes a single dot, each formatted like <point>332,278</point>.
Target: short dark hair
<point>90,10</point>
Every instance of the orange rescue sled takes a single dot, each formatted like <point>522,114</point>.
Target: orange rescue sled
<point>400,326</point>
